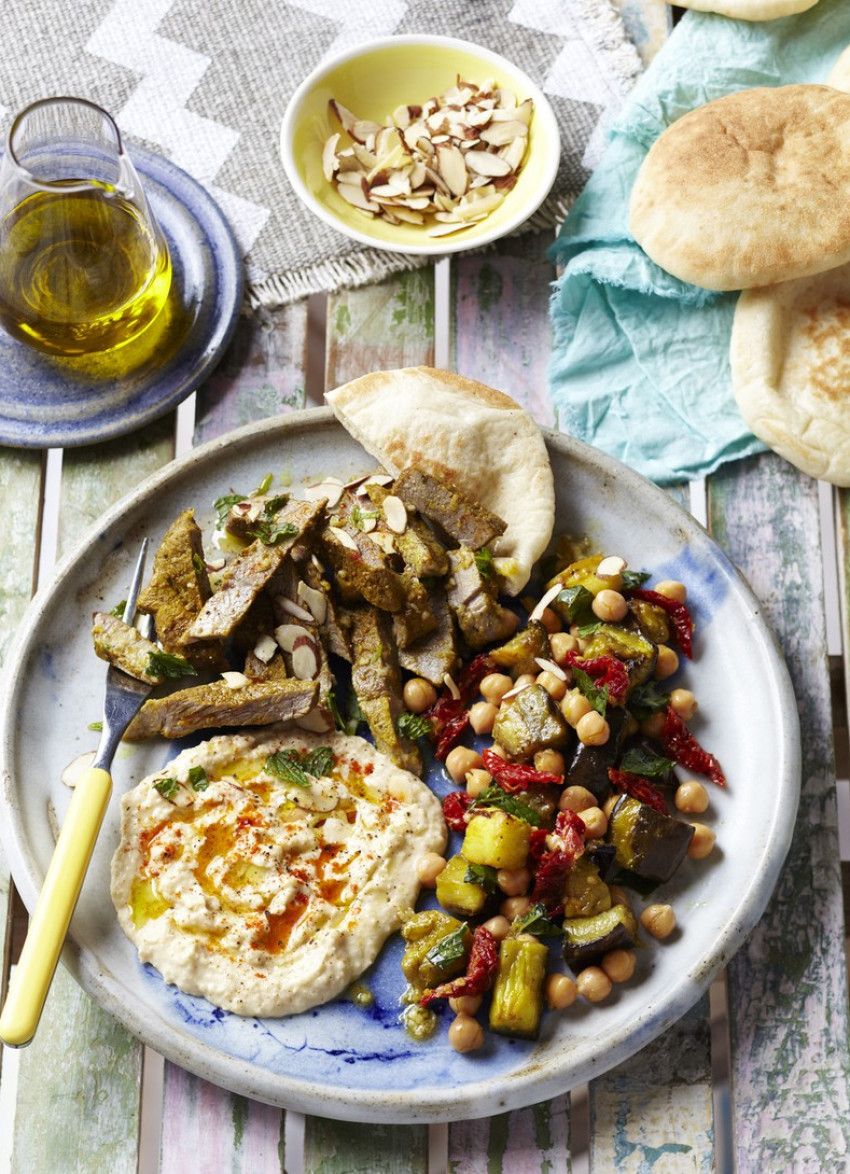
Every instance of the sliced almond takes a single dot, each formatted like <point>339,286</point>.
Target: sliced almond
<point>383,540</point>
<point>330,163</point>
<point>453,169</point>
<point>330,489</point>
<point>234,680</point>
<point>395,513</point>
<point>343,537</point>
<point>314,600</point>
<point>549,666</point>
<point>610,566</point>
<point>356,197</point>
<point>293,609</point>
<point>483,163</point>
<point>500,134</point>
<point>72,772</point>
<point>265,648</point>
<point>305,658</point>
<point>447,229</point>
<point>287,634</point>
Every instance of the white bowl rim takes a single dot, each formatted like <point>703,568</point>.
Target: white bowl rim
<point>543,112</point>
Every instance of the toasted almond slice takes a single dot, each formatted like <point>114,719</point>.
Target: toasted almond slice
<point>265,648</point>
<point>330,163</point>
<point>351,178</point>
<point>356,197</point>
<point>545,600</point>
<point>367,159</point>
<point>293,609</point>
<point>72,772</point>
<point>305,658</point>
<point>364,129</point>
<point>477,116</point>
<point>483,163</point>
<point>315,601</point>
<point>446,229</point>
<point>384,540</point>
<point>409,217</point>
<point>611,565</point>
<point>479,208</point>
<point>506,99</point>
<point>500,134</point>
<point>514,153</point>
<point>451,217</point>
<point>344,115</point>
<point>415,203</point>
<point>234,680</point>
<point>343,536</point>
<point>524,111</point>
<point>287,634</point>
<point>330,489</point>
<point>453,169</point>
<point>418,174</point>
<point>549,666</point>
<point>395,513</point>
<point>449,682</point>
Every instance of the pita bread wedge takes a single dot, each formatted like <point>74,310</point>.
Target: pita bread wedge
<point>470,434</point>
<point>839,75</point>
<point>750,189</point>
<point>748,9</point>
<point>790,356</point>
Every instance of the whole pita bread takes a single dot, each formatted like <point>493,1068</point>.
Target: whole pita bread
<point>750,189</point>
<point>790,355</point>
<point>748,9</point>
<point>479,439</point>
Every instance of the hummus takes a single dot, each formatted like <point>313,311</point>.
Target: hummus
<point>266,892</point>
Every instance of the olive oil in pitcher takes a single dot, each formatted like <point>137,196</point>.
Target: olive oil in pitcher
<point>81,270</point>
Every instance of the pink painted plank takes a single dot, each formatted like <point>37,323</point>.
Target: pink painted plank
<point>527,1141</point>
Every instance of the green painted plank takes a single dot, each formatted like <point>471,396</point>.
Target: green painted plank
<point>788,985</point>
<point>380,327</point>
<point>335,1147</point>
<point>654,1112</point>
<point>535,1140</point>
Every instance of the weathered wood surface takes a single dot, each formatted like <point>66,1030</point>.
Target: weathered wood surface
<point>788,985</point>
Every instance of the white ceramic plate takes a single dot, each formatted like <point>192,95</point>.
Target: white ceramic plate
<point>341,1060</point>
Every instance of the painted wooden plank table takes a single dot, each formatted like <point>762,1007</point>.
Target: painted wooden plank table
<point>755,1078</point>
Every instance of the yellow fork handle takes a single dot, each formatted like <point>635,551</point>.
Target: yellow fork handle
<point>49,923</point>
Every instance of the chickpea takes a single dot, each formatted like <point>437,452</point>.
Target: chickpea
<point>576,799</point>
<point>561,991</point>
<point>515,907</point>
<point>550,761</point>
<point>494,686</point>
<point>554,686</point>
<point>428,868</point>
<point>419,695</point>
<point>667,662</point>
<point>482,716</point>
<point>477,781</point>
<point>673,590</point>
<point>619,965</point>
<point>498,750</point>
<point>514,882</point>
<point>550,620</point>
<point>594,984</point>
<point>658,920</point>
<point>609,606</point>
<point>610,803</point>
<point>465,1004</point>
<point>652,726</point>
<point>524,680</point>
<point>498,926</point>
<point>691,798</point>
<point>560,645</point>
<point>595,821</point>
<point>466,1034</point>
<point>684,703</point>
<point>460,760</point>
<point>619,896</point>
<point>593,729</point>
<point>703,842</point>
<point>574,706</point>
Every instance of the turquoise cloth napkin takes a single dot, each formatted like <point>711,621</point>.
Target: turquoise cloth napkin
<point>640,363</point>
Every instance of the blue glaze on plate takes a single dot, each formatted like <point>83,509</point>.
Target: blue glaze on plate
<point>51,402</point>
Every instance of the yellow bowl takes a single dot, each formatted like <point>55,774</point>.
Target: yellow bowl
<point>375,78</point>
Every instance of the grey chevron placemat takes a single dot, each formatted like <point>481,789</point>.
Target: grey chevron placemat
<point>207,84</point>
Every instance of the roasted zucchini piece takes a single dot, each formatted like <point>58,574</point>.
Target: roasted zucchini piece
<point>589,765</point>
<point>585,893</point>
<point>588,938</point>
<point>581,574</point>
<point>650,619</point>
<point>518,654</point>
<point>437,948</point>
<point>458,896</point>
<point>628,645</point>
<point>517,1002</point>
<point>496,838</point>
<point>528,722</point>
<point>648,843</point>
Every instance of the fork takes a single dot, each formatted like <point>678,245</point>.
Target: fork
<point>48,926</point>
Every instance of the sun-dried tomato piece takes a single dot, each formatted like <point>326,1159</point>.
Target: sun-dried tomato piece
<point>682,621</point>
<point>679,744</point>
<point>450,734</point>
<point>638,787</point>
<point>480,970</point>
<point>448,715</point>
<point>514,776</point>
<point>606,671</point>
<point>550,866</point>
<point>455,807</point>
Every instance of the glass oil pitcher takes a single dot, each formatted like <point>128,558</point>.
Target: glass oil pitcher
<point>84,267</point>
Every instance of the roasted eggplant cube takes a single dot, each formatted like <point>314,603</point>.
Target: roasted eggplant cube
<point>581,574</point>
<point>648,843</point>
<point>458,896</point>
<point>528,722</point>
<point>590,764</point>
<point>517,1003</point>
<point>629,646</point>
<point>423,933</point>
<point>519,654</point>
<point>586,939</point>
<point>585,893</point>
<point>650,619</point>
<point>496,838</point>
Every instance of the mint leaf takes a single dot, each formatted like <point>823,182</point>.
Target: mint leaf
<point>495,797</point>
<point>578,602</point>
<point>198,778</point>
<point>640,761</point>
<point>167,787</point>
<point>165,664</point>
<point>414,725</point>
<point>449,949</point>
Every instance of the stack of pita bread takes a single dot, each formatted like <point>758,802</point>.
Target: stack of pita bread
<point>478,439</point>
<point>751,192</point>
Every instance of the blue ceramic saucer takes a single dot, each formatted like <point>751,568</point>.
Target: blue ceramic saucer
<point>52,402</point>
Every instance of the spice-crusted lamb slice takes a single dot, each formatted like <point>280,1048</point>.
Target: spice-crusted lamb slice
<point>178,588</point>
<point>125,647</point>
<point>376,680</point>
<point>416,619</point>
<point>474,603</point>
<point>434,655</point>
<point>417,544</point>
<point>467,521</point>
<point>252,569</point>
<point>203,707</point>
<point>361,569</point>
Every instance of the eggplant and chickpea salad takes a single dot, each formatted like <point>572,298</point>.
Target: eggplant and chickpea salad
<point>374,607</point>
